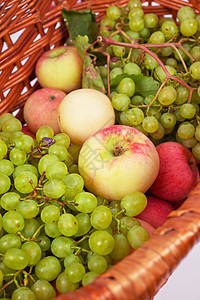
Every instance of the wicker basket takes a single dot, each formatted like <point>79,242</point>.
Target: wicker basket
<point>141,274</point>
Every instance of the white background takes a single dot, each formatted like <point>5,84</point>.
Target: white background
<point>184,283</point>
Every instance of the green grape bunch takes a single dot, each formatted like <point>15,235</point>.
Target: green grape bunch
<point>52,229</point>
<point>152,72</point>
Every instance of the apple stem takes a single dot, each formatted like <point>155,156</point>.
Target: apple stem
<point>117,151</point>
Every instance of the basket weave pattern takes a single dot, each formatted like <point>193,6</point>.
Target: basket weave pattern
<point>40,28</point>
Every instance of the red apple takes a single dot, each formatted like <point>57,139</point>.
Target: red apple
<point>117,161</point>
<point>60,68</point>
<point>178,173</point>
<point>26,130</point>
<point>41,108</point>
<point>156,211</point>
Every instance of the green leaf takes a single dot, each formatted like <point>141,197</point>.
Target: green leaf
<point>82,22</point>
<point>81,43</point>
<point>144,85</point>
<point>91,77</point>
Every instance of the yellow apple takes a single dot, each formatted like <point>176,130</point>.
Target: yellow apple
<point>83,112</point>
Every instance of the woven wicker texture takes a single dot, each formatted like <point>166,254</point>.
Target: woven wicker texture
<point>141,274</point>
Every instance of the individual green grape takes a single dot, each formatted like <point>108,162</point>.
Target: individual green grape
<point>25,143</point>
<point>52,230</point>
<point>136,55</point>
<point>89,278</point>
<point>30,227</point>
<point>137,236</point>
<point>157,37</point>
<point>137,100</point>
<point>44,131</point>
<point>74,184</point>
<point>15,136</point>
<point>160,74</point>
<point>69,259</point>
<point>34,252</point>
<point>85,202</point>
<point>44,242</point>
<point>195,51</point>
<point>43,290</point>
<point>198,21</point>
<point>189,143</point>
<point>159,133</point>
<point>16,259</point>
<point>97,263</point>
<point>145,33</point>
<point>127,222</point>
<point>4,117</point>
<point>28,208</point>
<point>196,150</point>
<point>150,124</point>
<point>150,20</point>
<point>119,51</point>
<point>24,168</point>
<point>135,12</point>
<point>136,23</point>
<point>73,169</point>
<point>74,151</point>
<point>75,272</point>
<point>48,268</point>
<point>68,224</point>
<point>62,246</point>
<point>197,132</point>
<point>23,292</point>
<point>101,217</point>
<point>167,51</point>
<point>168,120</point>
<point>121,248</point>
<point>121,102</point>
<point>135,116</point>
<point>62,139</point>
<point>45,161</point>
<point>127,87</point>
<point>195,70</point>
<point>182,95</point>
<point>106,22</point>
<point>115,72</point>
<point>5,136</point>
<point>5,183</point>
<point>101,242</point>
<point>169,29</point>
<point>56,171</point>
<point>50,214</point>
<point>12,221</point>
<point>187,111</point>
<point>167,95</point>
<point>186,130</point>
<point>133,203</point>
<point>3,149</point>
<point>12,125</point>
<point>84,224</point>
<point>63,285</point>
<point>58,150</point>
<point>25,182</point>
<point>6,167</point>
<point>134,3</point>
<point>17,156</point>
<point>54,188</point>
<point>155,111</point>
<point>150,62</point>
<point>172,62</point>
<point>8,241</point>
<point>115,62</point>
<point>185,12</point>
<point>69,160</point>
<point>113,12</point>
<point>188,27</point>
<point>131,35</point>
<point>132,69</point>
<point>9,200</point>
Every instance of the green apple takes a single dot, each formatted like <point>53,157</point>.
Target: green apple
<point>117,161</point>
<point>60,68</point>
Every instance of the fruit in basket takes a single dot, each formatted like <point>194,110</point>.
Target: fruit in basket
<point>26,130</point>
<point>41,108</point>
<point>84,112</point>
<point>117,161</point>
<point>178,172</point>
<point>147,226</point>
<point>60,68</point>
<point>156,211</point>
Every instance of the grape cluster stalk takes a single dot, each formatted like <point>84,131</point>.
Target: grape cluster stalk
<point>141,46</point>
<point>55,235</point>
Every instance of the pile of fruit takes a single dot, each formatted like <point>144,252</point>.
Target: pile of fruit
<point>110,147</point>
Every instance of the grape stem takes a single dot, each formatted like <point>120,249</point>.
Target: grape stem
<point>144,48</point>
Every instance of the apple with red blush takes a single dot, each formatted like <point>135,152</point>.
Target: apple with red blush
<point>41,108</point>
<point>178,173</point>
<point>26,130</point>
